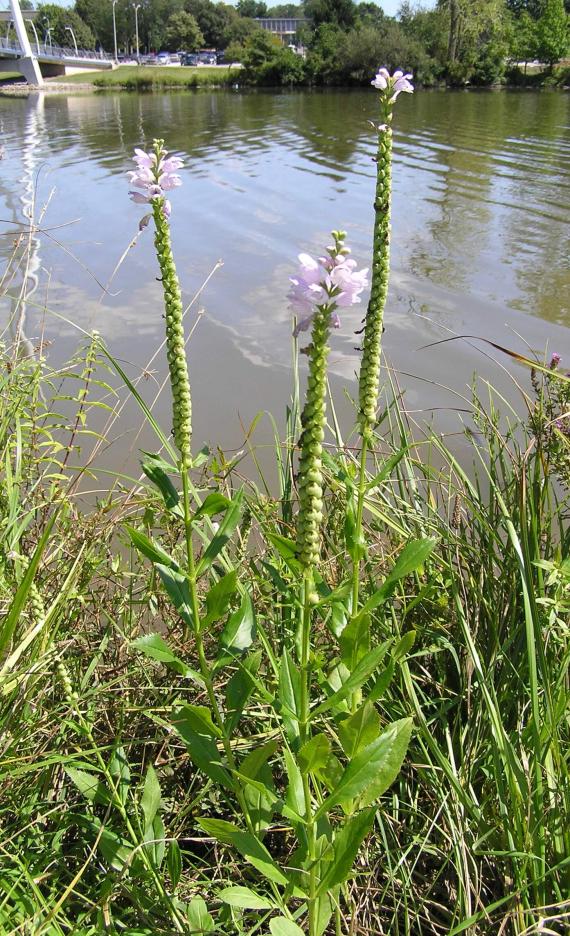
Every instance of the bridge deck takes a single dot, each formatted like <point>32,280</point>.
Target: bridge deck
<point>54,54</point>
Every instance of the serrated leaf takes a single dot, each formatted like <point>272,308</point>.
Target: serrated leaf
<point>150,549</point>
<point>345,849</point>
<point>227,526</point>
<point>404,646</point>
<point>218,599</point>
<point>239,632</point>
<point>178,590</point>
<point>281,926</point>
<point>214,503</point>
<point>359,730</point>
<point>373,769</point>
<point>150,799</point>
<point>89,785</point>
<point>201,746</point>
<point>314,754</point>
<point>154,468</point>
<point>156,647</point>
<point>360,674</point>
<point>244,899</point>
<point>413,555</point>
<point>247,845</point>
<point>239,688</point>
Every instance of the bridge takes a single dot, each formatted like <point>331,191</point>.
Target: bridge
<point>40,59</point>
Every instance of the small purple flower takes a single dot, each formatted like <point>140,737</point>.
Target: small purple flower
<point>329,281</point>
<point>155,175</point>
<point>555,360</point>
<point>393,84</point>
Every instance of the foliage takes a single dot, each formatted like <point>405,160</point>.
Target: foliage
<point>553,32</point>
<point>56,18</point>
<point>182,32</point>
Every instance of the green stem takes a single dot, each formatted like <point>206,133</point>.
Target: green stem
<point>305,732</point>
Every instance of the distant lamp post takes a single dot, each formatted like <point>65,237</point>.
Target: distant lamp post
<point>136,7</point>
<point>115,30</point>
<point>47,38</point>
<point>9,25</point>
<point>69,29</point>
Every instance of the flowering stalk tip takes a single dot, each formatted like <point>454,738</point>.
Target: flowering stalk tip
<point>318,290</point>
<point>154,176</point>
<point>390,87</point>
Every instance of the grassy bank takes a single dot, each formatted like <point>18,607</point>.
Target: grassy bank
<point>141,78</point>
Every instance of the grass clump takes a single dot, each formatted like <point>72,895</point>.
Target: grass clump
<point>145,78</point>
<point>206,726</point>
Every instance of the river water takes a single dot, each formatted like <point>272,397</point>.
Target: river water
<point>480,237</point>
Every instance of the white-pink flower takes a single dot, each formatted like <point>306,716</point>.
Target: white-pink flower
<point>393,84</point>
<point>331,281</point>
<point>154,176</point>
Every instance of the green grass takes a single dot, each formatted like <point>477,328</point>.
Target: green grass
<point>9,76</point>
<point>131,77</point>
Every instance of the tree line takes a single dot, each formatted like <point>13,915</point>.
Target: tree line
<point>455,41</point>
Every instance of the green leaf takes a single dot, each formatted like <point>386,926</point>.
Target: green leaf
<point>373,769</point>
<point>289,695</point>
<point>355,543</point>
<point>345,849</point>
<point>239,633</point>
<point>247,845</point>
<point>381,683</point>
<point>198,918</point>
<point>218,599</point>
<point>413,555</point>
<point>154,468</point>
<point>261,798</point>
<point>154,838</point>
<point>387,468</point>
<point>89,785</point>
<point>354,640</point>
<point>174,862</point>
<point>240,687</point>
<point>120,772</point>
<point>225,530</point>
<point>150,799</point>
<point>201,746</point>
<point>178,590</point>
<point>281,926</point>
<point>214,503</point>
<point>156,647</point>
<point>252,764</point>
<point>114,848</point>
<point>150,549</point>
<point>404,646</point>
<point>244,899</point>
<point>359,730</point>
<point>314,754</point>
<point>360,674</point>
<point>295,797</point>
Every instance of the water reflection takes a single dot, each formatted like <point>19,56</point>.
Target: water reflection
<point>480,224</point>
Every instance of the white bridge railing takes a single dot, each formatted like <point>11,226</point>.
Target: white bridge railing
<point>53,52</point>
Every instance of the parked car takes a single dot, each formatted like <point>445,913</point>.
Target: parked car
<point>189,58</point>
<point>163,58</point>
<point>220,58</point>
<point>206,58</point>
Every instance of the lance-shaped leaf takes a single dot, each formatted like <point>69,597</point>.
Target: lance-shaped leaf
<point>240,687</point>
<point>156,647</point>
<point>214,503</point>
<point>218,599</point>
<point>345,849</point>
<point>281,926</point>
<point>244,899</point>
<point>150,799</point>
<point>199,920</point>
<point>371,771</point>
<point>150,549</point>
<point>247,845</point>
<point>201,744</point>
<point>156,471</point>
<point>359,730</point>
<point>239,633</point>
<point>361,672</point>
<point>314,755</point>
<point>289,695</point>
<point>413,555</point>
<point>227,526</point>
<point>178,590</point>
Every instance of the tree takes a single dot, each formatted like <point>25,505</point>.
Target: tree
<point>56,19</point>
<point>251,8</point>
<point>182,32</point>
<point>370,14</point>
<point>524,38</point>
<point>336,12</point>
<point>214,19</point>
<point>552,32</point>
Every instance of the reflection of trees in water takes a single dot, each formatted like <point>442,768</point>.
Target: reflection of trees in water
<point>200,123</point>
<point>21,255</point>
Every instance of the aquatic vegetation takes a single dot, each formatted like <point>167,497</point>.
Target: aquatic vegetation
<point>338,708</point>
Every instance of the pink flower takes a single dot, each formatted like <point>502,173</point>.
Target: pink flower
<point>155,175</point>
<point>329,281</point>
<point>393,84</point>
<point>555,360</point>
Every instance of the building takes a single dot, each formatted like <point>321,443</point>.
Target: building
<point>285,27</point>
